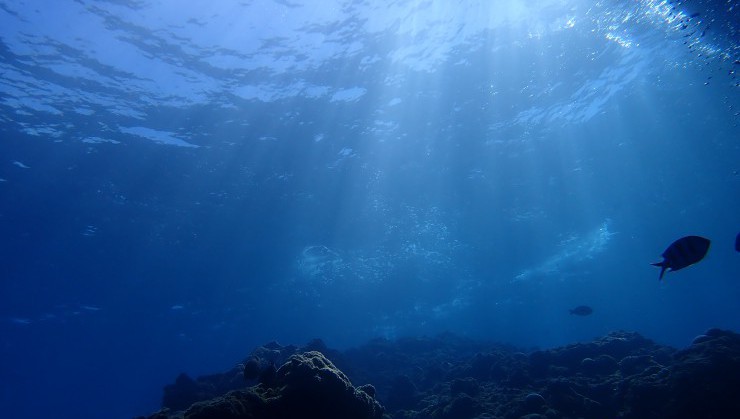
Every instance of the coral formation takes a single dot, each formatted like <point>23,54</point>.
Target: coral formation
<point>306,385</point>
<point>621,375</point>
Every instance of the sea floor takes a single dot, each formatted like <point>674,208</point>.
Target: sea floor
<point>620,375</point>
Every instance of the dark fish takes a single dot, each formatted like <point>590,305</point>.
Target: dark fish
<point>582,311</point>
<point>737,242</point>
<point>683,252</point>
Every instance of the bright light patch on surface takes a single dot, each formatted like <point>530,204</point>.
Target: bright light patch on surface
<point>349,95</point>
<point>84,111</point>
<point>160,137</point>
<point>98,140</point>
<point>619,40</point>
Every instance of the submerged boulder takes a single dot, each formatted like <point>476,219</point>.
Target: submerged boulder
<point>307,385</point>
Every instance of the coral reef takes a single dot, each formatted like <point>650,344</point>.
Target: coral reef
<point>621,375</point>
<point>306,385</point>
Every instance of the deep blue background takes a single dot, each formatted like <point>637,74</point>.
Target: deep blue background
<point>181,185</point>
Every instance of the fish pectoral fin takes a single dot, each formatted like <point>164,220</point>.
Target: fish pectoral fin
<point>663,266</point>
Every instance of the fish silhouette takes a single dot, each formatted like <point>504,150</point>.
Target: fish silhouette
<point>582,311</point>
<point>683,252</point>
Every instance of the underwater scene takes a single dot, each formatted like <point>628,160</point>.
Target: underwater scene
<point>397,209</point>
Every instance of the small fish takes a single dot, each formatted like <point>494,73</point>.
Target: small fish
<point>737,242</point>
<point>683,252</point>
<point>582,311</point>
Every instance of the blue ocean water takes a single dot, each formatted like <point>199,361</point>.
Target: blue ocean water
<point>183,181</point>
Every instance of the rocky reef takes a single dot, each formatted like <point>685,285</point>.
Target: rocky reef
<point>306,385</point>
<point>621,375</point>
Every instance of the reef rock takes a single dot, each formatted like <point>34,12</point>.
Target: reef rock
<point>705,380</point>
<point>307,385</point>
<point>622,375</point>
<point>258,367</point>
